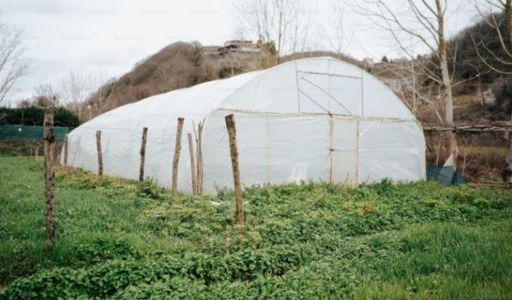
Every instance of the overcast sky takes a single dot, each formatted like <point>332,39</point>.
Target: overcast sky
<point>111,36</point>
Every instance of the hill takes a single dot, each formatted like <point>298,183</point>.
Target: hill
<point>177,65</point>
<point>182,65</point>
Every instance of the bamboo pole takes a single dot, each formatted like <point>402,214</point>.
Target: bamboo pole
<point>199,153</point>
<point>49,150</point>
<point>66,150</point>
<point>331,150</point>
<point>239,213</point>
<point>99,152</point>
<point>192,164</point>
<point>143,153</point>
<point>176,160</point>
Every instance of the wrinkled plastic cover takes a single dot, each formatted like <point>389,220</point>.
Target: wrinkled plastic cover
<point>309,119</point>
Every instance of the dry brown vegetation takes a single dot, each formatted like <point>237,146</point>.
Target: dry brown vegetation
<point>176,66</point>
<point>182,65</point>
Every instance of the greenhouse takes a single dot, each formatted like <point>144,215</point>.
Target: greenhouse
<point>318,119</point>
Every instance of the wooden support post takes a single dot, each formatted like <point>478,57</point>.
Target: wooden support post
<point>192,164</point>
<point>331,150</point>
<point>143,153</point>
<point>230,125</point>
<point>175,161</point>
<point>199,153</point>
<point>49,150</point>
<point>66,150</point>
<point>507,172</point>
<point>100,154</point>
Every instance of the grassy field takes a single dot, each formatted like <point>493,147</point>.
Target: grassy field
<point>381,241</point>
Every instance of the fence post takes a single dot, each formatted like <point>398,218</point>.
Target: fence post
<point>66,150</point>
<point>507,173</point>
<point>230,125</point>
<point>199,153</point>
<point>49,149</point>
<point>192,164</point>
<point>100,154</point>
<point>143,153</point>
<point>175,162</point>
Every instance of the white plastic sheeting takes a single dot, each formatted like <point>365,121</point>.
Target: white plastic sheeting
<point>308,119</point>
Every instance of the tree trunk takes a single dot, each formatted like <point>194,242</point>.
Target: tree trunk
<point>447,83</point>
<point>508,17</point>
<point>49,150</point>
<point>414,100</point>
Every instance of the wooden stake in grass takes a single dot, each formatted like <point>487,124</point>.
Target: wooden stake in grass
<point>49,150</point>
<point>175,161</point>
<point>65,150</point>
<point>230,125</point>
<point>199,153</point>
<point>143,153</point>
<point>100,155</point>
<point>192,164</point>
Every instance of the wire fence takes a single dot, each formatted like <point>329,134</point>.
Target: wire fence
<point>481,155</point>
<point>10,132</point>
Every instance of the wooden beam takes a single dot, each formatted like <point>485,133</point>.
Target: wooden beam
<point>495,127</point>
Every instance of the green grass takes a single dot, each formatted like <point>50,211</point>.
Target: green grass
<point>118,240</point>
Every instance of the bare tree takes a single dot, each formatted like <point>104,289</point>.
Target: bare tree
<point>77,86</point>
<point>495,14</point>
<point>336,36</point>
<point>13,64</point>
<point>405,78</point>
<point>283,22</point>
<point>423,22</point>
<point>45,95</point>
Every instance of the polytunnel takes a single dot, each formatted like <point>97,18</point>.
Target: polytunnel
<point>317,119</point>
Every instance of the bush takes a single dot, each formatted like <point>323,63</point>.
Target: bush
<point>34,116</point>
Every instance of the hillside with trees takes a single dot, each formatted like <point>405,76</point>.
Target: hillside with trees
<point>178,65</point>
